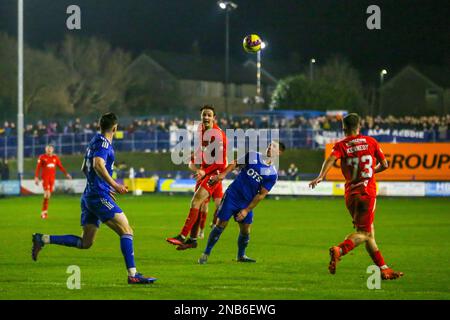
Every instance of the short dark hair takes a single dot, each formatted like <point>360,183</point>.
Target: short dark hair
<point>351,122</point>
<point>208,107</point>
<point>107,121</point>
<point>281,146</point>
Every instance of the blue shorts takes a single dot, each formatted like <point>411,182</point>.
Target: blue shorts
<point>230,207</point>
<point>98,209</point>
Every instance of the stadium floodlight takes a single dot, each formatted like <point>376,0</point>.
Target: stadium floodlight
<point>312,61</point>
<point>228,6</point>
<point>382,74</point>
<point>380,98</point>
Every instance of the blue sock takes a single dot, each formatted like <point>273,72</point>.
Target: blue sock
<point>213,238</point>
<point>126,245</point>
<point>243,240</point>
<point>66,240</point>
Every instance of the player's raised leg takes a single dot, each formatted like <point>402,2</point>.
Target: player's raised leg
<point>243,240</point>
<point>191,242</point>
<point>84,242</point>
<point>199,197</point>
<point>358,207</point>
<point>351,241</point>
<point>119,223</point>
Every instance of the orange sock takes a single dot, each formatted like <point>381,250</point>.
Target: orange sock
<point>45,204</point>
<point>190,221</point>
<point>195,227</point>
<point>346,246</point>
<point>378,259</point>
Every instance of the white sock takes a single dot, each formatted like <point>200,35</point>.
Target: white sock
<point>46,238</point>
<point>384,267</point>
<point>132,272</point>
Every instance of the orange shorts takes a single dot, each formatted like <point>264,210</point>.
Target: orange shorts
<point>215,191</point>
<point>362,210</point>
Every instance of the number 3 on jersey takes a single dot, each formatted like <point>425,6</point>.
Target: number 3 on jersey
<point>366,172</point>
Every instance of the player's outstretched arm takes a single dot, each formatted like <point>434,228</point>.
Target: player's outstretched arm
<point>63,170</point>
<point>100,169</point>
<point>223,174</point>
<point>37,172</point>
<point>326,166</point>
<point>198,173</point>
<point>257,199</point>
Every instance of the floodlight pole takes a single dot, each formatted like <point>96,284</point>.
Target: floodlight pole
<point>311,69</point>
<point>228,6</point>
<point>20,144</point>
<point>383,73</point>
<point>227,57</point>
<point>258,73</point>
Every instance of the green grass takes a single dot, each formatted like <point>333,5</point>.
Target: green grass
<point>307,160</point>
<point>290,240</point>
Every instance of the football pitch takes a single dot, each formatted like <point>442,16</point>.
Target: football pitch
<point>290,240</point>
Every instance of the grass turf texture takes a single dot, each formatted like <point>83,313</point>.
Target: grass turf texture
<point>307,160</point>
<point>290,240</point>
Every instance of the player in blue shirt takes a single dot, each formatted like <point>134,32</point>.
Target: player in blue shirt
<point>256,178</point>
<point>98,202</point>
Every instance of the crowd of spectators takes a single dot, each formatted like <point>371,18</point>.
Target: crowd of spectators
<point>167,124</point>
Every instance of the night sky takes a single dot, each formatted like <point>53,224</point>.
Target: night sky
<point>413,31</point>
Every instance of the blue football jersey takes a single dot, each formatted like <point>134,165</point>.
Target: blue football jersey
<point>254,175</point>
<point>99,146</point>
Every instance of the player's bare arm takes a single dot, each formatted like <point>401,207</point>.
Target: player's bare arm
<point>100,169</point>
<point>381,166</point>
<point>223,174</point>
<point>257,199</point>
<point>326,166</point>
<point>37,172</point>
<point>198,173</point>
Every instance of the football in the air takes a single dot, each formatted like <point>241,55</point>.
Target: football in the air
<point>252,43</point>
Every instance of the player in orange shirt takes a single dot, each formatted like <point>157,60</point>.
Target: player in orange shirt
<point>210,134</point>
<point>48,163</point>
<point>361,158</point>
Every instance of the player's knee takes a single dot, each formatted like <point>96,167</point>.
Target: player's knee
<point>222,224</point>
<point>86,244</point>
<point>196,203</point>
<point>128,230</point>
<point>245,229</point>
